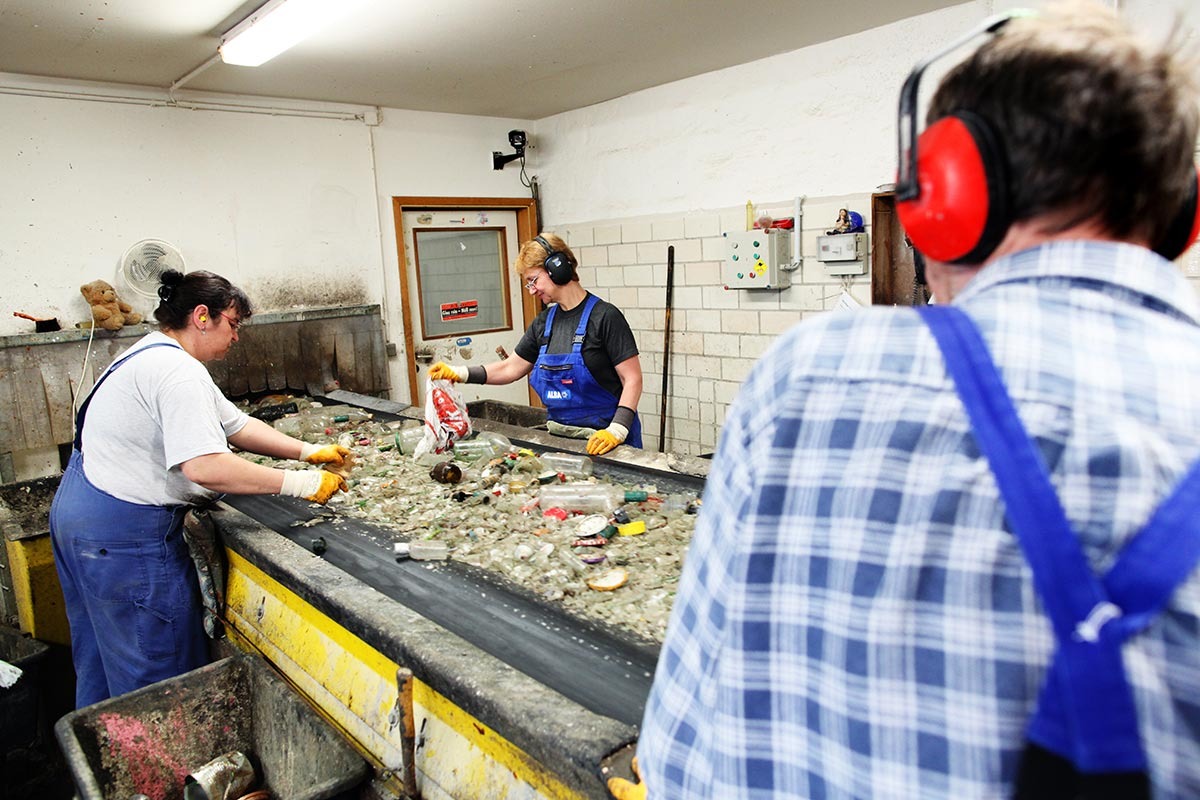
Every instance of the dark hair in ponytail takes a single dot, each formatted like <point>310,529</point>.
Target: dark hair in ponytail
<point>180,293</point>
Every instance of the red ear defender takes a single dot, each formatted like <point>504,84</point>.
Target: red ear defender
<point>1185,227</point>
<point>960,212</point>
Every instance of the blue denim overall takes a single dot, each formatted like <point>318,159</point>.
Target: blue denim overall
<point>571,395</point>
<point>1083,740</point>
<point>130,588</point>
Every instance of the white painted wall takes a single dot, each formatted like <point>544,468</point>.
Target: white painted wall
<point>421,154</point>
<point>817,121</point>
<point>295,210</point>
<point>298,210</point>
<point>675,165</point>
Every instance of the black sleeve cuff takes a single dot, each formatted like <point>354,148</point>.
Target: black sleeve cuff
<point>477,374</point>
<point>624,416</point>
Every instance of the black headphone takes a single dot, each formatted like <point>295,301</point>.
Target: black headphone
<point>952,185</point>
<point>558,264</point>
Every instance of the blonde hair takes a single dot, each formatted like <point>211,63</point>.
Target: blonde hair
<point>533,255</point>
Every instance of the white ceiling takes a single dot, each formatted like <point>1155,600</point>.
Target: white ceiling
<point>525,59</point>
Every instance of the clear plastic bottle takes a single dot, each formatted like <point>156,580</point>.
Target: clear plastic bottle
<point>572,465</point>
<point>591,498</point>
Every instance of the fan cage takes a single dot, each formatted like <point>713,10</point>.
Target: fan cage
<point>143,264</point>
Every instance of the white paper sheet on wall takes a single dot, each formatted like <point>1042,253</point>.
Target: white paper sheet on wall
<point>846,302</point>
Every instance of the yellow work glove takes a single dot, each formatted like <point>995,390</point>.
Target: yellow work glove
<point>314,485</point>
<point>601,442</point>
<point>441,371</point>
<point>627,790</point>
<point>328,454</point>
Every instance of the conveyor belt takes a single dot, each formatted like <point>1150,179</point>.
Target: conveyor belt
<point>593,667</point>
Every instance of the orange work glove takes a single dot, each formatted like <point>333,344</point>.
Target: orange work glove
<point>441,371</point>
<point>627,790</point>
<point>333,454</point>
<point>330,483</point>
<point>601,442</point>
<point>314,485</point>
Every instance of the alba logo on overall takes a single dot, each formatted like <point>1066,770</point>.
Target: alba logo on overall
<point>558,394</point>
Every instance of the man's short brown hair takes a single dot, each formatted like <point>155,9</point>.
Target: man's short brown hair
<point>1094,122</point>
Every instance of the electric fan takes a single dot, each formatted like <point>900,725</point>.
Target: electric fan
<point>144,263</point>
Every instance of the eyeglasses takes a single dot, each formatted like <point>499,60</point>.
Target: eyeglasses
<point>532,280</point>
<point>234,322</point>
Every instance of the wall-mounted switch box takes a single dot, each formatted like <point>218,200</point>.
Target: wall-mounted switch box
<point>843,253</point>
<point>757,260</point>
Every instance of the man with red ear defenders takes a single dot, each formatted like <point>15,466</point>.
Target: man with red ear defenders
<point>952,555</point>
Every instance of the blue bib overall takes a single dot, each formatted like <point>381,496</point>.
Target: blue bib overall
<point>130,589</point>
<point>571,395</point>
<point>1083,739</point>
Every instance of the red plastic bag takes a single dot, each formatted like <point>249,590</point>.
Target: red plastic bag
<point>446,419</point>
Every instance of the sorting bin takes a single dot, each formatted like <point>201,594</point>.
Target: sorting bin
<point>149,740</point>
<point>19,702</point>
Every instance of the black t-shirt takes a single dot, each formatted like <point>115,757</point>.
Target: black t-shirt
<point>607,341</point>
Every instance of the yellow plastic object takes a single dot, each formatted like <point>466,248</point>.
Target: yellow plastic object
<point>635,528</point>
<point>40,607</point>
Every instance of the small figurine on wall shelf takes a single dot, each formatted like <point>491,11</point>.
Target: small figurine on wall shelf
<point>847,222</point>
<point>108,311</point>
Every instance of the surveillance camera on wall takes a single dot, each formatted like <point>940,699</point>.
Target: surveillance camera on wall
<point>517,140</point>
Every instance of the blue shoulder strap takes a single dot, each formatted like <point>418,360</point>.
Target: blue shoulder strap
<point>1085,710</point>
<point>546,330</point>
<point>580,329</point>
<point>82,413</point>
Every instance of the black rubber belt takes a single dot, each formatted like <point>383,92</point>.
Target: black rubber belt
<point>589,665</point>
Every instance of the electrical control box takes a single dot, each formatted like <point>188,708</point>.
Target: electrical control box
<point>843,253</point>
<point>757,260</point>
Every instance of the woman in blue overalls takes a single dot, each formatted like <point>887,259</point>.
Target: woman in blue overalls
<point>579,354</point>
<point>152,439</point>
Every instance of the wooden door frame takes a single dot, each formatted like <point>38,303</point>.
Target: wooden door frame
<point>527,228</point>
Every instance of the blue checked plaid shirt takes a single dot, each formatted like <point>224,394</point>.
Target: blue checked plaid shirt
<point>855,619</point>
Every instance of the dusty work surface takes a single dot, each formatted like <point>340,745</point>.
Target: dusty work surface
<point>493,517</point>
<point>556,732</point>
<point>28,503</point>
<point>586,662</point>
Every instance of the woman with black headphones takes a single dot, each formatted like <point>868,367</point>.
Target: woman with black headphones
<point>579,354</point>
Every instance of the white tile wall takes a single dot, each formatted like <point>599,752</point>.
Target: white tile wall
<point>717,335</point>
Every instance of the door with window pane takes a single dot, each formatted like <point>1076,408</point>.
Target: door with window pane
<point>465,300</point>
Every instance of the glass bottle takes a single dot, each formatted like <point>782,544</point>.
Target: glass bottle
<point>409,438</point>
<point>474,450</point>
<point>591,498</point>
<point>572,465</point>
<point>501,442</point>
<point>430,550</point>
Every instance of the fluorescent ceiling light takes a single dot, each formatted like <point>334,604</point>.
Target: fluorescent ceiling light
<point>276,26</point>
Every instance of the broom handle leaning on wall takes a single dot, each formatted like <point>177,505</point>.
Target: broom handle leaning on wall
<point>662,421</point>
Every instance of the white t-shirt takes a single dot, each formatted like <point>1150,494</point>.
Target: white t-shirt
<point>153,413</point>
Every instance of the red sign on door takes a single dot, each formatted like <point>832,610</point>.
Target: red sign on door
<point>463,309</point>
